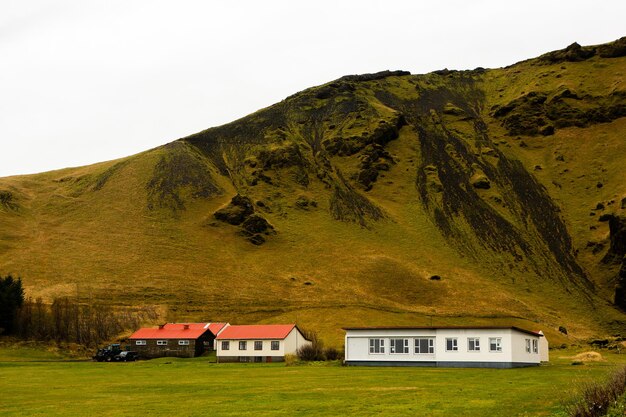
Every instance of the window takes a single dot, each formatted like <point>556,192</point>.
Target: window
<point>183,342</point>
<point>275,344</point>
<point>377,345</point>
<point>243,345</point>
<point>527,345</point>
<point>452,344</point>
<point>424,345</point>
<point>535,346</point>
<point>140,342</point>
<point>473,344</point>
<point>495,344</point>
<point>258,345</point>
<point>399,345</point>
<point>161,342</point>
<point>258,358</point>
<point>225,345</point>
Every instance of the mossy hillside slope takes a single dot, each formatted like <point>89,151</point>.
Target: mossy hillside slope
<point>371,185</point>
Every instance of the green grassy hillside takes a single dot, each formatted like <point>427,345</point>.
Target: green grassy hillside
<point>339,205</point>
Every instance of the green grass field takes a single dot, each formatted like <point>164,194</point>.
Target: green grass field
<point>36,382</point>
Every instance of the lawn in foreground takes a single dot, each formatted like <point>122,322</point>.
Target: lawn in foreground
<point>197,387</point>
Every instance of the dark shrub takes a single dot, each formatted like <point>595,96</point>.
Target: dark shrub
<point>332,354</point>
<point>310,353</point>
<point>314,351</point>
<point>596,398</point>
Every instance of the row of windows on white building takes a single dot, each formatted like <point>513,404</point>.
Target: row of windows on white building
<point>258,345</point>
<point>426,345</point>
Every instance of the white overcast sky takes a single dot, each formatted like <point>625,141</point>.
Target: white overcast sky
<point>83,81</point>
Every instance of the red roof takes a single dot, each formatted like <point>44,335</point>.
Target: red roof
<point>177,331</point>
<point>257,331</point>
<point>216,327</point>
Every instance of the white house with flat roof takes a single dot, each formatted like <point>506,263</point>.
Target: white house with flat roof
<point>479,347</point>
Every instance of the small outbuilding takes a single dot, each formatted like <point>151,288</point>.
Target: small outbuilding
<point>259,343</point>
<point>184,340</point>
<point>451,346</point>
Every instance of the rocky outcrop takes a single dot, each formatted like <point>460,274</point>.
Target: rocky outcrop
<point>540,114</point>
<point>236,212</point>
<point>383,133</point>
<point>240,212</point>
<point>284,156</point>
<point>577,53</point>
<point>613,49</point>
<point>255,227</point>
<point>573,53</point>
<point>375,76</point>
<point>373,160</point>
<point>616,255</point>
<point>617,236</point>
<point>525,115</point>
<point>620,287</point>
<point>480,181</point>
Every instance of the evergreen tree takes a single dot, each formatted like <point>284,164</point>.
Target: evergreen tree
<point>11,299</point>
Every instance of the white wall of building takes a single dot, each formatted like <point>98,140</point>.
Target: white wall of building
<point>250,351</point>
<point>520,354</point>
<point>544,349</point>
<point>288,345</point>
<point>511,341</point>
<point>294,341</point>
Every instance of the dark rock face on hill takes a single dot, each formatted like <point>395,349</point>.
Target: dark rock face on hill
<point>577,53</point>
<point>237,211</point>
<point>375,76</point>
<point>540,113</point>
<point>240,212</point>
<point>573,53</point>
<point>617,255</point>
<point>620,287</point>
<point>617,235</point>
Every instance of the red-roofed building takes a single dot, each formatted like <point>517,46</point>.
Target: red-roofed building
<point>175,339</point>
<point>259,343</point>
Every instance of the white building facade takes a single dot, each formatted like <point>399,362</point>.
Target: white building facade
<point>481,347</point>
<point>259,343</point>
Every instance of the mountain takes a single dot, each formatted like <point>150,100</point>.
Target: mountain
<point>482,196</point>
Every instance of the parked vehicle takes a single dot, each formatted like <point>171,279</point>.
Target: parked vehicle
<point>114,353</point>
<point>126,356</point>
